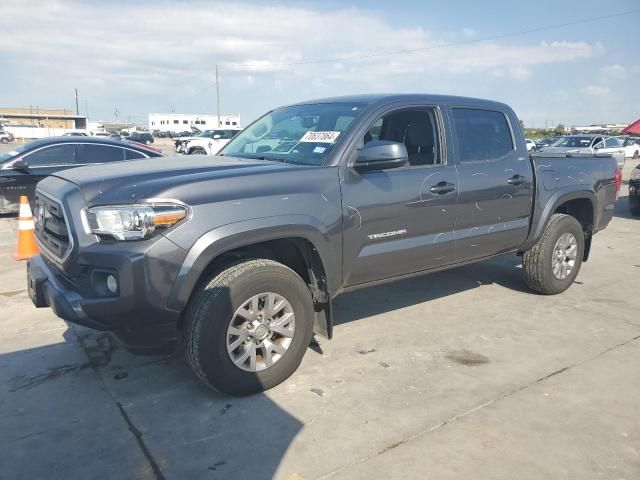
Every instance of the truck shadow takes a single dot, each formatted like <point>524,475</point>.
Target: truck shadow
<point>99,412</point>
<point>504,270</point>
<point>622,208</point>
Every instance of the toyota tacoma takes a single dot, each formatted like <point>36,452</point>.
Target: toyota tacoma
<point>237,258</point>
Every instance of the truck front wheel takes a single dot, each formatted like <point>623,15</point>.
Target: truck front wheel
<point>552,264</point>
<point>248,327</point>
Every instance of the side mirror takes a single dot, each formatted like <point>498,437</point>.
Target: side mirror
<point>381,155</point>
<point>21,164</point>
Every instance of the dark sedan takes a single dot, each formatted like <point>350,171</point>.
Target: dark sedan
<point>26,165</point>
<point>141,137</point>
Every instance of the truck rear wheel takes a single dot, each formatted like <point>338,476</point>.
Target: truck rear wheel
<point>197,151</point>
<point>552,264</point>
<point>248,327</point>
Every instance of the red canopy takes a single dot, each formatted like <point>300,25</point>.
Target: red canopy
<point>632,128</point>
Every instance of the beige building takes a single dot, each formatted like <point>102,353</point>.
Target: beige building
<point>40,117</point>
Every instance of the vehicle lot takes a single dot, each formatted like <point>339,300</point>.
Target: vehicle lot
<point>460,374</point>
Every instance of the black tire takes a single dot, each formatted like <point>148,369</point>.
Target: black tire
<point>197,151</point>
<point>211,310</point>
<point>4,140</point>
<point>636,154</point>
<point>634,206</point>
<point>537,262</point>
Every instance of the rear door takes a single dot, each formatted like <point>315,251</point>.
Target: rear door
<point>92,153</point>
<point>495,182</point>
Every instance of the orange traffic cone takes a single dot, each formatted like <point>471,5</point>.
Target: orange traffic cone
<point>27,247</point>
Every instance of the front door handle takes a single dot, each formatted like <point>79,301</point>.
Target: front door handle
<point>443,187</point>
<point>517,180</point>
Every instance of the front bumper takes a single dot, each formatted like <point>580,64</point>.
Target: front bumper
<point>136,315</point>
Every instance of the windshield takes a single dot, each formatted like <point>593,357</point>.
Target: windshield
<point>301,134</point>
<point>576,142</point>
<point>4,157</point>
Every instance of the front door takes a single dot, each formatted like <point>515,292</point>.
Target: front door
<point>40,164</point>
<point>494,203</point>
<point>400,220</point>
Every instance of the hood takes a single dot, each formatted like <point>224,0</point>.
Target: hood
<point>127,182</point>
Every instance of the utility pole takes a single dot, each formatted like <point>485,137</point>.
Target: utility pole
<point>218,97</point>
<point>77,109</point>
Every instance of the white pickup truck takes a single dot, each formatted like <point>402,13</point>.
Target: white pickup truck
<point>209,142</point>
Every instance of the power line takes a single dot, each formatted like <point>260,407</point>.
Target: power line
<point>434,47</point>
<point>399,52</point>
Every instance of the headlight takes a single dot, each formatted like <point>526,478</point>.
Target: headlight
<point>635,173</point>
<point>132,222</point>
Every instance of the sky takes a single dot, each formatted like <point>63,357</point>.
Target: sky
<point>139,56</point>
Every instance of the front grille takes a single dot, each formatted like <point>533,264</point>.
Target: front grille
<point>51,226</point>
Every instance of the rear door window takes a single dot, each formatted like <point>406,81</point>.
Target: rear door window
<point>62,154</point>
<point>96,153</point>
<point>483,135</point>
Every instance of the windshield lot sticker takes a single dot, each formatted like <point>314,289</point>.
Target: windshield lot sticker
<point>319,137</point>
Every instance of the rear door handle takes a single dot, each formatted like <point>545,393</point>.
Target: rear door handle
<point>442,188</point>
<point>517,180</point>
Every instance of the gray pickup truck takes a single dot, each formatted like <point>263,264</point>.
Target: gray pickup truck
<point>238,257</point>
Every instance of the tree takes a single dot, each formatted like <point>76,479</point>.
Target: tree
<point>560,128</point>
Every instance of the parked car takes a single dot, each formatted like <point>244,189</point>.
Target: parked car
<point>156,133</point>
<point>587,144</point>
<point>141,137</point>
<point>124,135</point>
<point>631,146</point>
<point>241,255</point>
<point>27,164</point>
<point>531,146</point>
<point>102,134</point>
<point>6,137</point>
<point>75,134</point>
<point>546,142</point>
<point>181,141</point>
<point>210,143</point>
<point>634,191</point>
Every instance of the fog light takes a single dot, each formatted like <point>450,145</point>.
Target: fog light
<point>112,283</point>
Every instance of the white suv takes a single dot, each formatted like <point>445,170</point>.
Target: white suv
<point>210,144</point>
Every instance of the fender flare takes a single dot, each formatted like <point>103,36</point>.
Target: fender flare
<point>248,232</point>
<point>540,221</point>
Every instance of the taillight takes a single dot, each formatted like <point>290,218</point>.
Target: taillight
<point>618,181</point>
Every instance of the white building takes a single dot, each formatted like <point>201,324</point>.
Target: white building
<point>603,128</point>
<point>179,122</point>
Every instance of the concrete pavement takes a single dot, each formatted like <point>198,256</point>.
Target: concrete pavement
<point>459,374</point>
